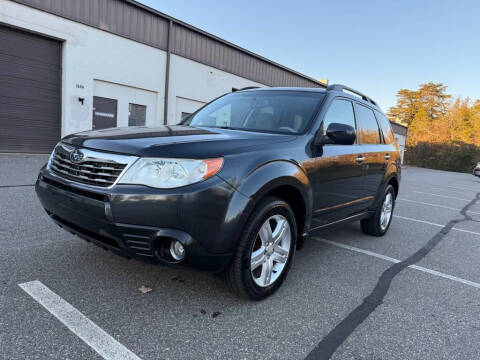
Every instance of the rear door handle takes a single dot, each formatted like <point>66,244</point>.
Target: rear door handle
<point>360,159</point>
<point>387,156</point>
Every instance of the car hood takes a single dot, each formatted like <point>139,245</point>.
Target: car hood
<point>174,141</point>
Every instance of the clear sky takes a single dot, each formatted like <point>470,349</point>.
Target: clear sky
<point>377,47</point>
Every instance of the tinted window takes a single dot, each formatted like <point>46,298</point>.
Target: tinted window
<point>367,132</point>
<point>385,126</point>
<point>340,111</point>
<point>270,111</point>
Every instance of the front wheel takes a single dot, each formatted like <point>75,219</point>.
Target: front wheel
<point>265,251</point>
<point>378,224</point>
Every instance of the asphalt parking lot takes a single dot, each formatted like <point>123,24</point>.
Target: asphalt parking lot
<point>426,306</point>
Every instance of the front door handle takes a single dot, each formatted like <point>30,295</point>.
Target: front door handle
<point>360,159</point>
<point>387,156</point>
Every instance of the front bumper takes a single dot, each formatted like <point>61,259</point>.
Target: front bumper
<point>136,221</point>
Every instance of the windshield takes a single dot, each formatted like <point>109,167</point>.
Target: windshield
<point>288,112</point>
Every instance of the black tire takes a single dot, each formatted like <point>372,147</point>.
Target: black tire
<point>371,226</point>
<point>239,276</point>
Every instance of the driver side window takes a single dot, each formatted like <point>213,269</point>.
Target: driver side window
<point>340,111</point>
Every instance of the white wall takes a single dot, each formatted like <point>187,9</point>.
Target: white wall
<point>193,84</point>
<point>183,105</point>
<point>90,54</point>
<point>95,62</point>
<point>126,95</point>
<point>401,144</point>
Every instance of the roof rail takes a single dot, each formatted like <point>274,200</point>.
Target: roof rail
<point>339,87</point>
<point>249,87</point>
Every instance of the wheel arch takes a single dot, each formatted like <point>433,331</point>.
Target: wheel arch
<point>292,196</point>
<point>393,180</point>
<point>284,180</point>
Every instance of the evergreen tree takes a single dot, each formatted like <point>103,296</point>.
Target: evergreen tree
<point>431,97</point>
<point>434,99</point>
<point>462,121</point>
<point>476,123</point>
<point>406,108</point>
<point>420,128</point>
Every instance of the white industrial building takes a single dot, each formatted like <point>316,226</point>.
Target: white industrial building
<point>73,65</point>
<point>400,131</point>
<point>70,65</point>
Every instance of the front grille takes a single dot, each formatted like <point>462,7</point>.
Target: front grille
<point>95,168</point>
<point>89,172</point>
<point>139,244</point>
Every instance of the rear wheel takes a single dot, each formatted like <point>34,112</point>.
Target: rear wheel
<point>265,250</point>
<point>379,223</point>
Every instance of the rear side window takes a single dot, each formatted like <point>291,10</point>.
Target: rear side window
<point>367,132</point>
<point>340,111</point>
<point>385,126</point>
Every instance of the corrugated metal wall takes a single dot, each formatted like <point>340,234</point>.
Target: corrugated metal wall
<point>207,50</point>
<point>115,16</point>
<point>136,22</point>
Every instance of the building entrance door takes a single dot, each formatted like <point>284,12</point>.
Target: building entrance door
<point>104,113</point>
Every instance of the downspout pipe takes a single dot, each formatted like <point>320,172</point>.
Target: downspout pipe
<point>167,72</point>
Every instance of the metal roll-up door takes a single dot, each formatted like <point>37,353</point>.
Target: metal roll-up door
<point>30,96</point>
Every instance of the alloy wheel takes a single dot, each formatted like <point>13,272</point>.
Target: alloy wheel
<point>270,251</point>
<point>386,212</point>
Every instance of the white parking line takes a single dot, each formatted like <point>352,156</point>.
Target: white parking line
<point>458,189</point>
<point>436,205</point>
<point>444,196</point>
<point>79,324</point>
<point>387,258</point>
<point>435,224</point>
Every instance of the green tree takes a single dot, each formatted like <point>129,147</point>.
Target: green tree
<point>476,123</point>
<point>431,97</point>
<point>420,128</point>
<point>434,99</point>
<point>462,121</point>
<point>406,108</point>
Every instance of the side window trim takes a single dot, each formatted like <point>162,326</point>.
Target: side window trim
<point>382,137</point>
<point>379,129</point>
<point>378,114</point>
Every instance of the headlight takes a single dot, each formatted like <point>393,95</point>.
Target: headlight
<point>164,173</point>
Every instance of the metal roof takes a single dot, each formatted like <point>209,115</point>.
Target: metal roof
<point>138,22</point>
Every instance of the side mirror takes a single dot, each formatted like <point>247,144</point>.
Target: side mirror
<point>340,134</point>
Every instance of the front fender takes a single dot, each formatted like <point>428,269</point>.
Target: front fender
<point>275,174</point>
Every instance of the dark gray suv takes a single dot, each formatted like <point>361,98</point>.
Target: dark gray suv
<point>236,188</point>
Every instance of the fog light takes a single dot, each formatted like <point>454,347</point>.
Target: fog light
<point>177,250</point>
